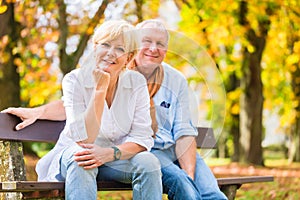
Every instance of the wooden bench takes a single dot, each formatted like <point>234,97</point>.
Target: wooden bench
<point>48,131</point>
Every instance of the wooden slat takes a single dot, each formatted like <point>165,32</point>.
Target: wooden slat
<point>40,131</point>
<point>242,180</point>
<point>26,186</point>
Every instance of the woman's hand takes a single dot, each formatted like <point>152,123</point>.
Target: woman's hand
<point>101,78</point>
<point>93,156</point>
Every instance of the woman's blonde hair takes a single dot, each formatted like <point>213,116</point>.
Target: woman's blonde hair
<point>112,29</point>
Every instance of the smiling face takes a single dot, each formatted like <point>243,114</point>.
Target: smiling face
<point>114,45</point>
<point>153,47</point>
<point>111,55</point>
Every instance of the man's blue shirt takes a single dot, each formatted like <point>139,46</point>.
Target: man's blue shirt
<point>172,109</point>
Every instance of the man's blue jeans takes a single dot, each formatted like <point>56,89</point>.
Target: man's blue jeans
<point>142,170</point>
<point>178,185</point>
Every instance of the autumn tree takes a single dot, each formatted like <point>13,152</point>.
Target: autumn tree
<point>252,95</point>
<point>9,77</point>
<point>293,63</point>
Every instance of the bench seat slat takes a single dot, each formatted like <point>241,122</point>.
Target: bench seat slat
<point>26,186</point>
<point>242,180</point>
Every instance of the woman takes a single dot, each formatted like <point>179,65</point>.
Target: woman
<point>108,132</point>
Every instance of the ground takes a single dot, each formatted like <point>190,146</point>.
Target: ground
<point>285,186</point>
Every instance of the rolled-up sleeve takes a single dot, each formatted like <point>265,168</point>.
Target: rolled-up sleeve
<point>182,123</point>
<point>141,131</point>
<point>74,104</point>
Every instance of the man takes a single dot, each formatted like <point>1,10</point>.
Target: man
<point>184,173</point>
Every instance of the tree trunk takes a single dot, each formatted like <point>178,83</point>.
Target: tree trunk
<point>251,102</point>
<point>293,154</point>
<point>235,131</point>
<point>294,148</point>
<point>9,77</point>
<point>69,62</point>
<point>139,9</point>
<point>251,106</point>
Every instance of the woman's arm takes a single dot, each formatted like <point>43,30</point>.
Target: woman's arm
<point>95,108</point>
<point>84,118</point>
<point>93,115</point>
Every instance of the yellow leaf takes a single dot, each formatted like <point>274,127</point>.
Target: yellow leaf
<point>292,59</point>
<point>293,68</point>
<point>297,47</point>
<point>235,109</point>
<point>250,48</point>
<point>3,9</point>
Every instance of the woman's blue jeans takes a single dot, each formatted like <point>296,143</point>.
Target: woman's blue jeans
<point>142,170</point>
<point>179,186</point>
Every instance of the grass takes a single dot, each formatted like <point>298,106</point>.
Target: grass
<point>286,179</point>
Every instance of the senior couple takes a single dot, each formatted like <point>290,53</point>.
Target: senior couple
<point>128,125</point>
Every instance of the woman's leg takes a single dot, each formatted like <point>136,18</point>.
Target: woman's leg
<point>142,170</point>
<point>80,183</point>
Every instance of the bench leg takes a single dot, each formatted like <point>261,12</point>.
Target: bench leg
<point>230,190</point>
<point>12,166</point>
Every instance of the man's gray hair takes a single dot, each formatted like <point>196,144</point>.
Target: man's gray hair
<point>157,24</point>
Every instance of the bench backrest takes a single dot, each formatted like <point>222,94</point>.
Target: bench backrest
<point>48,131</point>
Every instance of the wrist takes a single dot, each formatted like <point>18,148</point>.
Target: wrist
<point>101,89</point>
<point>117,153</point>
<point>39,112</point>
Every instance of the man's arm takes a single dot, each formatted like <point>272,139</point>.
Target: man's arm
<point>51,111</point>
<point>185,149</point>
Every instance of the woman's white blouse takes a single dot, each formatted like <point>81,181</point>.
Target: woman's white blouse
<point>129,112</point>
<point>127,120</point>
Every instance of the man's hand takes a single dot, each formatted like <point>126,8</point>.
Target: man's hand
<point>27,115</point>
<point>93,156</point>
<point>186,153</point>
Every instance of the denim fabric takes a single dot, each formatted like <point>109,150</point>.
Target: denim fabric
<point>179,186</point>
<point>142,170</point>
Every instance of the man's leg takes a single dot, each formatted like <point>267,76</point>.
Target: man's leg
<point>206,182</point>
<point>176,183</point>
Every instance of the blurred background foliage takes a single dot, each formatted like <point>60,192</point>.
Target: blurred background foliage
<point>241,59</point>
